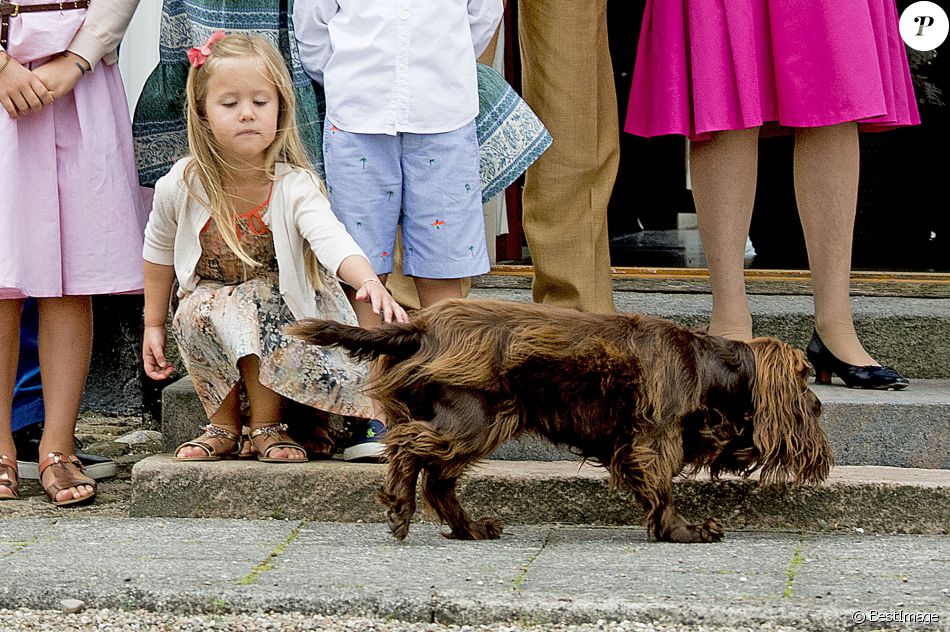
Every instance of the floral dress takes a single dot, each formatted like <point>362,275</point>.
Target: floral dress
<point>236,310</point>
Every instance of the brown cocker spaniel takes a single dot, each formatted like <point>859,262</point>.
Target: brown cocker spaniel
<point>644,397</point>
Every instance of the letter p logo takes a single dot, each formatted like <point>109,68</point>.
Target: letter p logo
<point>924,21</point>
<point>924,26</point>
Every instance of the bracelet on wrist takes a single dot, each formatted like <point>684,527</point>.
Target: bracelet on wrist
<point>82,69</point>
<point>4,61</point>
<point>372,280</point>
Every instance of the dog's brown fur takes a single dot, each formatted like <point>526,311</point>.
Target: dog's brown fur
<point>642,396</point>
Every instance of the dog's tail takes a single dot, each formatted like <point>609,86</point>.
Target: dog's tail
<point>399,340</point>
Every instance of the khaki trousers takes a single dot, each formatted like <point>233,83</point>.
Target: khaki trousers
<point>567,79</point>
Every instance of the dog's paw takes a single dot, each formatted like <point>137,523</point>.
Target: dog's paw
<point>488,528</point>
<point>399,529</point>
<point>713,530</point>
<point>398,523</point>
<point>710,531</point>
<point>398,515</point>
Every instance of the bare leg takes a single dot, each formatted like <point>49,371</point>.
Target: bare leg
<point>724,173</point>
<point>431,291</point>
<point>826,189</point>
<point>264,403</point>
<point>9,353</point>
<point>65,349</point>
<point>367,320</point>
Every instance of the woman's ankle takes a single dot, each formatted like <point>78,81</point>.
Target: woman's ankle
<point>8,449</point>
<point>49,447</point>
<point>844,344</point>
<point>733,329</point>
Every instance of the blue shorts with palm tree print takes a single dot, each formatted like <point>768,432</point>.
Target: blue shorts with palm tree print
<point>428,183</point>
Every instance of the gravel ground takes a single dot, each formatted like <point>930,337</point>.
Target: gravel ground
<point>253,622</point>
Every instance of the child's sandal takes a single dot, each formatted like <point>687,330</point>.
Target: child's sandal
<point>67,471</point>
<point>9,478</point>
<point>217,443</point>
<point>272,437</point>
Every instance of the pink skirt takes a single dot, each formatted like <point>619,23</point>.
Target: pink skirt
<point>710,65</point>
<point>71,215</point>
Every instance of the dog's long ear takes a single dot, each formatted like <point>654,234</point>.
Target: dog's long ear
<point>786,429</point>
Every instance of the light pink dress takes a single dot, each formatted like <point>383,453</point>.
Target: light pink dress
<point>710,65</point>
<point>71,216</point>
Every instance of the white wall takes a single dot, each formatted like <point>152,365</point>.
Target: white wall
<point>138,54</point>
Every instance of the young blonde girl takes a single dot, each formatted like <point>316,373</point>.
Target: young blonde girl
<point>247,231</point>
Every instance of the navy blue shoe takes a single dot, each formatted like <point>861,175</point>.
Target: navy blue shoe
<point>368,448</point>
<point>875,377</point>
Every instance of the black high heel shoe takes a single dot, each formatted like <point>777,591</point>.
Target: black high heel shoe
<point>872,376</point>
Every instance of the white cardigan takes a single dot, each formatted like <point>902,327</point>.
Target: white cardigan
<point>298,212</point>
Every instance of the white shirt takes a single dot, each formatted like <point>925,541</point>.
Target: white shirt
<point>393,66</point>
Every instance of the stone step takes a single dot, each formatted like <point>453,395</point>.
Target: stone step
<point>909,428</point>
<point>910,334</point>
<point>871,499</point>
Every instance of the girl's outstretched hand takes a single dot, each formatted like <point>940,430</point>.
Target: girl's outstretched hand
<point>21,91</point>
<point>153,354</point>
<point>373,291</point>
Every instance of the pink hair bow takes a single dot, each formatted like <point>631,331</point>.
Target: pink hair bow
<point>198,55</point>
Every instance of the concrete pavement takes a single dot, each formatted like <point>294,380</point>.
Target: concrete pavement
<point>534,574</point>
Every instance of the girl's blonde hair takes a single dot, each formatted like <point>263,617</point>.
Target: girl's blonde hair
<point>209,166</point>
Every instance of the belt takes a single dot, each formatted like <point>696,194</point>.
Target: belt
<point>12,9</point>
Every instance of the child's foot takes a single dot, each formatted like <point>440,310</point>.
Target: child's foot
<point>215,443</point>
<point>274,445</point>
<point>248,451</point>
<point>368,448</point>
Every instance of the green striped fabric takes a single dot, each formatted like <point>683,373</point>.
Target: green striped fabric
<point>159,121</point>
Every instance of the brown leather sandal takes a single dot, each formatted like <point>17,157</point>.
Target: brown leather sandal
<point>9,478</point>
<point>274,437</point>
<point>216,441</point>
<point>67,472</point>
